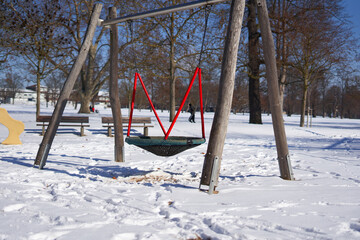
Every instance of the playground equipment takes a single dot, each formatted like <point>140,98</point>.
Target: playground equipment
<point>165,146</point>
<point>210,172</point>
<point>15,127</point>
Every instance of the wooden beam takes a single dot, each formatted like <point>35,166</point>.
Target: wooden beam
<point>273,89</point>
<point>114,89</point>
<point>48,138</point>
<point>156,12</point>
<point>226,89</point>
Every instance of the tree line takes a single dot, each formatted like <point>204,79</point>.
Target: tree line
<point>315,52</point>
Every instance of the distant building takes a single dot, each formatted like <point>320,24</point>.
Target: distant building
<point>28,96</point>
<point>103,97</point>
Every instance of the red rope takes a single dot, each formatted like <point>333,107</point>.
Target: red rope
<point>197,72</point>
<point>132,106</point>
<point>182,103</point>
<point>152,105</point>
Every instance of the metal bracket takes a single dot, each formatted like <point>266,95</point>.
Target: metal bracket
<point>44,156</point>
<point>289,166</point>
<point>213,178</point>
<point>100,21</point>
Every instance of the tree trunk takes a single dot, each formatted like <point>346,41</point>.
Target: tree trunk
<point>85,104</point>
<point>282,83</point>
<point>87,82</point>
<point>303,103</point>
<point>282,51</point>
<point>254,65</point>
<point>172,70</point>
<point>38,93</point>
<point>343,92</point>
<point>323,94</point>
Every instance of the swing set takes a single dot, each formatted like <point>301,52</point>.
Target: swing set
<point>167,145</point>
<point>170,145</point>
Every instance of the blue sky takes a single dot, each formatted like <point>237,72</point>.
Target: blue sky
<point>352,7</point>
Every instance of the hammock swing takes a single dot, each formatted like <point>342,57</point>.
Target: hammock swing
<point>166,146</point>
<point>169,145</point>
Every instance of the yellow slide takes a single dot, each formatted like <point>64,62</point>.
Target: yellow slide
<point>15,128</point>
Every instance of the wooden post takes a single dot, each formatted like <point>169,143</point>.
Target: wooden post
<point>226,89</point>
<point>48,138</point>
<point>114,89</point>
<point>274,95</point>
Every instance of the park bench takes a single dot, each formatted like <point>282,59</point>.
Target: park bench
<point>137,122</point>
<point>66,121</point>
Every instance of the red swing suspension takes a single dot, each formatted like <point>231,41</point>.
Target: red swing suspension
<point>197,73</point>
<point>167,133</point>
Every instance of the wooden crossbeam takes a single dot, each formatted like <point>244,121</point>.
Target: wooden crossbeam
<point>156,12</point>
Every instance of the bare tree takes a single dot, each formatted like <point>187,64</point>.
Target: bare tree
<point>349,102</point>
<point>92,75</point>
<point>351,108</point>
<point>319,42</point>
<point>281,12</point>
<point>53,85</point>
<point>240,98</point>
<point>11,85</point>
<point>254,64</point>
<point>32,31</point>
<point>178,30</point>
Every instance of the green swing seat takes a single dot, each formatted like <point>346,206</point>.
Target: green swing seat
<point>161,147</point>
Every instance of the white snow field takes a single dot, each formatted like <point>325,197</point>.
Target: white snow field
<point>83,194</point>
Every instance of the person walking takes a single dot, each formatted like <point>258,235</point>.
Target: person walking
<point>191,110</point>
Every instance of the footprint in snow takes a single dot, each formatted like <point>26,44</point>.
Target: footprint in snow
<point>355,227</point>
<point>14,207</point>
<point>154,196</point>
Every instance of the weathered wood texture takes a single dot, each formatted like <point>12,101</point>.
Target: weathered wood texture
<point>114,89</point>
<point>48,138</point>
<point>126,120</point>
<point>273,89</point>
<point>226,89</point>
<point>69,119</point>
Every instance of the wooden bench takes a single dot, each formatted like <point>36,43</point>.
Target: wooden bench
<point>137,122</point>
<point>66,121</point>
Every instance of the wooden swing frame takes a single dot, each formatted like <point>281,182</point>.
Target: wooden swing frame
<point>226,87</point>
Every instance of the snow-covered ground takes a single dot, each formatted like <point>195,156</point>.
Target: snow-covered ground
<point>83,194</point>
